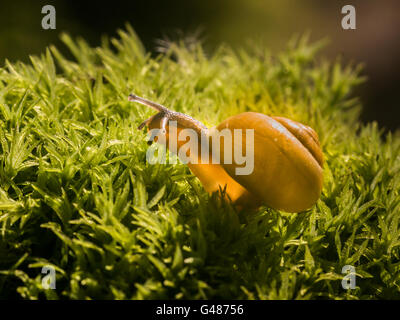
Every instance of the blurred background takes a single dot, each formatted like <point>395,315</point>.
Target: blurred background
<point>375,42</point>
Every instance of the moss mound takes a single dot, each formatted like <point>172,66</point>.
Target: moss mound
<point>77,194</point>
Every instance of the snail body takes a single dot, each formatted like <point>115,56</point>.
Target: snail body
<point>288,161</point>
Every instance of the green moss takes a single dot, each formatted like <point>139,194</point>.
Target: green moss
<point>76,191</point>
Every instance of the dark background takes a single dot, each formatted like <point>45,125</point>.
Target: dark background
<point>375,42</point>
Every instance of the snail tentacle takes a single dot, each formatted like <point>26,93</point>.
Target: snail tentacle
<point>154,105</point>
<point>163,124</point>
<point>147,121</point>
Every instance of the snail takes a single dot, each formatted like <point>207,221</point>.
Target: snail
<point>287,172</point>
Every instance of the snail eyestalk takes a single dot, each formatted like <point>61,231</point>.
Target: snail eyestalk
<point>156,106</point>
